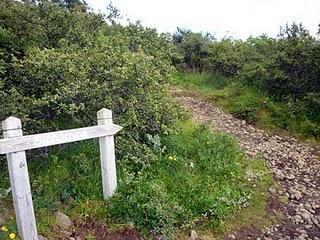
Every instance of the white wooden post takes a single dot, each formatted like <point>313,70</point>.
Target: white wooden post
<point>107,156</point>
<point>19,179</point>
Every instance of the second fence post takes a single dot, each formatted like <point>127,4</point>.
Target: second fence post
<point>107,156</point>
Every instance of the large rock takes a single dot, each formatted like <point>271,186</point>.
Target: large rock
<point>63,220</point>
<point>193,235</point>
<point>40,237</point>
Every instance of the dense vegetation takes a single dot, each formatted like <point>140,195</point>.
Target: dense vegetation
<point>59,64</point>
<point>270,81</point>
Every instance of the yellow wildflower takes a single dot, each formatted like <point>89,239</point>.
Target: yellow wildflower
<point>174,158</point>
<point>170,158</point>
<point>4,229</point>
<point>12,235</point>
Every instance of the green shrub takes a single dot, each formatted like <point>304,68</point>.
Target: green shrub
<point>55,85</point>
<point>79,64</point>
<point>225,57</point>
<point>191,49</point>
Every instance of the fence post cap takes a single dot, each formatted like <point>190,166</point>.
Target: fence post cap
<point>11,123</point>
<point>104,113</point>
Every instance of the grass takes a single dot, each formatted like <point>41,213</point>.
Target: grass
<point>250,104</point>
<point>6,230</point>
<point>255,214</point>
<point>192,179</point>
<point>199,176</point>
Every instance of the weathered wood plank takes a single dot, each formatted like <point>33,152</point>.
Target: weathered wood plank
<point>27,142</point>
<point>107,156</point>
<point>19,179</point>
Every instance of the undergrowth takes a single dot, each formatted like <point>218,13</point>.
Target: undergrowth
<point>188,178</point>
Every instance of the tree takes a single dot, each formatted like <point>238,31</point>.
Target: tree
<point>225,57</point>
<point>193,46</point>
<point>79,5</point>
<point>293,31</point>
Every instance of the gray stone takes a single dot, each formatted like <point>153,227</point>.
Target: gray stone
<point>40,237</point>
<point>290,176</point>
<point>306,216</point>
<point>295,194</point>
<point>308,226</point>
<point>63,220</point>
<point>193,235</point>
<point>232,236</point>
<point>279,174</point>
<point>272,190</point>
<point>298,219</point>
<point>315,221</point>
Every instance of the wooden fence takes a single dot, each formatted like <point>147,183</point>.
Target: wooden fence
<point>15,144</point>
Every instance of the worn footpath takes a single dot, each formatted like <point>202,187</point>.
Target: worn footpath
<point>296,168</point>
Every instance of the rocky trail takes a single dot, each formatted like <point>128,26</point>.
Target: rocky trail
<point>295,166</point>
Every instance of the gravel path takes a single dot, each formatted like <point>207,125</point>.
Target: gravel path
<point>296,168</point>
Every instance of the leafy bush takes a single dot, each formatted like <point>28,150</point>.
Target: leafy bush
<point>191,47</point>
<point>293,69</point>
<point>225,57</point>
<point>79,64</point>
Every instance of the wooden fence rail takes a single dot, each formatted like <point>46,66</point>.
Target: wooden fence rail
<point>14,145</point>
